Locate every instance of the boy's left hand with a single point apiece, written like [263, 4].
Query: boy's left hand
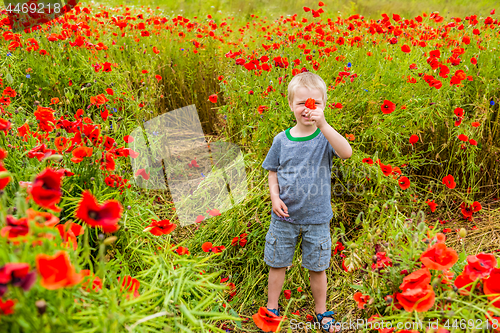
[317, 116]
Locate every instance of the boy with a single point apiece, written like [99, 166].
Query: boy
[299, 164]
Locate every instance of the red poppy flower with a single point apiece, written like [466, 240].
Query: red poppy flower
[338, 247]
[439, 257]
[15, 228]
[206, 246]
[475, 124]
[405, 48]
[213, 98]
[310, 104]
[181, 250]
[461, 281]
[128, 138]
[404, 182]
[413, 139]
[491, 286]
[18, 274]
[287, 293]
[432, 205]
[193, 164]
[361, 299]
[107, 161]
[262, 108]
[386, 169]
[163, 227]
[7, 307]
[142, 173]
[463, 137]
[417, 279]
[109, 91]
[243, 242]
[382, 261]
[96, 281]
[56, 271]
[69, 231]
[449, 181]
[213, 212]
[367, 160]
[418, 299]
[61, 143]
[130, 284]
[13, 270]
[476, 206]
[45, 116]
[106, 215]
[98, 99]
[5, 180]
[480, 265]
[266, 320]
[3, 154]
[46, 189]
[466, 210]
[80, 153]
[4, 125]
[199, 218]
[388, 107]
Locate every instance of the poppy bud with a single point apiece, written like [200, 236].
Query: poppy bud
[41, 306]
[101, 236]
[374, 259]
[110, 240]
[421, 226]
[462, 233]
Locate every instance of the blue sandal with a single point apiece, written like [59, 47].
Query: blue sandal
[275, 311]
[326, 327]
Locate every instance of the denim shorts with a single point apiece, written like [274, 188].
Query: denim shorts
[281, 240]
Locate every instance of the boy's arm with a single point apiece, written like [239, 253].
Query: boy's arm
[339, 143]
[279, 206]
[273, 185]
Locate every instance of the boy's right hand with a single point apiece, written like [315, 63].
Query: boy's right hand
[279, 208]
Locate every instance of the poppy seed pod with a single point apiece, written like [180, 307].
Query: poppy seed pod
[41, 306]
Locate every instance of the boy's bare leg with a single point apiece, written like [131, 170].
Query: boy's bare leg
[318, 289]
[275, 284]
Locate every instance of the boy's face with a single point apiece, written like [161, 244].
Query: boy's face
[298, 104]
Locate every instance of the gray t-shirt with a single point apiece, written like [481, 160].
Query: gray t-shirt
[304, 167]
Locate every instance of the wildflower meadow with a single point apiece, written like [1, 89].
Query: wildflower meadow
[107, 224]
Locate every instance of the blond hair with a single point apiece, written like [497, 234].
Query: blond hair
[308, 80]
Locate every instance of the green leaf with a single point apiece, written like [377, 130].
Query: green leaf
[237, 322]
[355, 286]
